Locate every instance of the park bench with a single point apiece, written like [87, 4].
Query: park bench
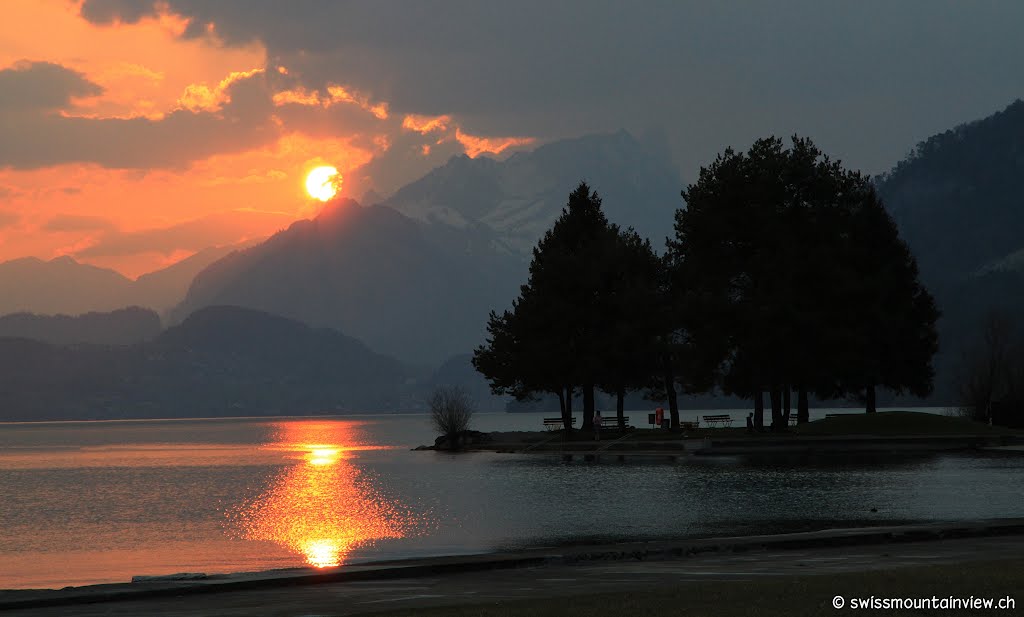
[689, 426]
[835, 415]
[613, 421]
[557, 423]
[793, 419]
[718, 420]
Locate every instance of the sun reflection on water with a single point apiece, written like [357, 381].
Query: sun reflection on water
[323, 506]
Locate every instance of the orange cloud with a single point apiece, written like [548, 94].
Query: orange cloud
[426, 124]
[158, 144]
[335, 95]
[297, 96]
[476, 146]
[143, 67]
[340, 94]
[200, 97]
[472, 144]
[268, 181]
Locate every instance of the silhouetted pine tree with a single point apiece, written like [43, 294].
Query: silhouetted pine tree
[797, 280]
[556, 332]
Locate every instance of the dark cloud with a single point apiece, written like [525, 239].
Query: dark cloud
[36, 138]
[110, 11]
[340, 119]
[402, 162]
[42, 86]
[866, 79]
[77, 222]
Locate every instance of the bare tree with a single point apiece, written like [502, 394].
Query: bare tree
[989, 371]
[450, 412]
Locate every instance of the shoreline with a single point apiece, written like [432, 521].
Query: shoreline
[563, 556]
[636, 443]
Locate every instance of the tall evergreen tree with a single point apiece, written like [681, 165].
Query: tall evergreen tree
[555, 333]
[891, 317]
[632, 326]
[802, 279]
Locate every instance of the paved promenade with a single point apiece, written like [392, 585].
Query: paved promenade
[630, 570]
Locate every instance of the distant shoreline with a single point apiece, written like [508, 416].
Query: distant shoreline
[883, 432]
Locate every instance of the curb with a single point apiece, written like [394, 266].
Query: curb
[654, 550]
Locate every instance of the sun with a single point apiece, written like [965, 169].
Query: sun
[322, 182]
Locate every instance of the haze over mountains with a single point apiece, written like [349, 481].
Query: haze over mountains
[63, 286]
[959, 203]
[414, 275]
[419, 291]
[221, 361]
[120, 327]
[522, 196]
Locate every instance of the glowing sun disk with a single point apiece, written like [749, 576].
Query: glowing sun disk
[322, 182]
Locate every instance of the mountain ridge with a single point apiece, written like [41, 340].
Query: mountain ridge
[221, 361]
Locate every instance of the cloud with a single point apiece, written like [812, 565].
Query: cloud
[200, 97]
[42, 86]
[77, 222]
[447, 130]
[476, 145]
[111, 11]
[714, 73]
[236, 116]
[426, 124]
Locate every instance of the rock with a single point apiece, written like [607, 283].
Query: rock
[465, 439]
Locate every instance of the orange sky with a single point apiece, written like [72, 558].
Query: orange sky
[169, 145]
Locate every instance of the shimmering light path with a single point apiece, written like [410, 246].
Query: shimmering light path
[323, 506]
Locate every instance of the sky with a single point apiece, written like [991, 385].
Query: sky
[136, 133]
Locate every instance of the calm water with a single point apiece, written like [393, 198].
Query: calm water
[92, 502]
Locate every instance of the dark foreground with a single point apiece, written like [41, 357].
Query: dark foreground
[737, 578]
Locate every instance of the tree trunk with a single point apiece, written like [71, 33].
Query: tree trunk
[786, 407]
[567, 418]
[776, 397]
[620, 407]
[670, 390]
[870, 396]
[588, 407]
[803, 410]
[759, 410]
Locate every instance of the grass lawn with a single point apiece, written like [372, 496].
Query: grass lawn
[881, 424]
[895, 423]
[794, 596]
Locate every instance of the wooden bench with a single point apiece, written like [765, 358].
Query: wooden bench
[613, 421]
[718, 420]
[557, 423]
[793, 419]
[689, 426]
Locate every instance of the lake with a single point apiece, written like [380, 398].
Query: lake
[92, 502]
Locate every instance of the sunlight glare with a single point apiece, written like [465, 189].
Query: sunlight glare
[323, 182]
[324, 505]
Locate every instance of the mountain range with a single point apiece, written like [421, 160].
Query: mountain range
[221, 361]
[519, 198]
[120, 327]
[958, 200]
[63, 286]
[418, 291]
[414, 274]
